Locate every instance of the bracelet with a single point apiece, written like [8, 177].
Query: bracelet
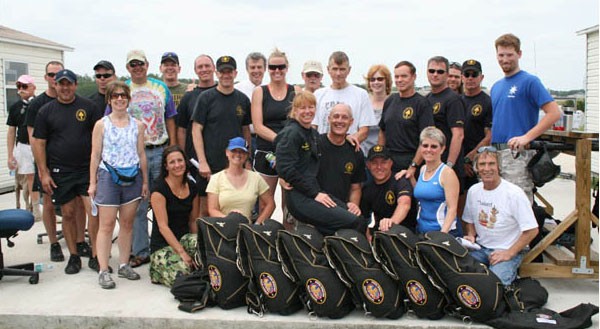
[450, 164]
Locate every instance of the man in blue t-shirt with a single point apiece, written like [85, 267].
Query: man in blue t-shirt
[516, 100]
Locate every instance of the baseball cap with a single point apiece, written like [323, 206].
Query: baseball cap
[170, 56]
[237, 143]
[136, 55]
[26, 79]
[312, 66]
[105, 64]
[472, 65]
[226, 62]
[66, 74]
[378, 151]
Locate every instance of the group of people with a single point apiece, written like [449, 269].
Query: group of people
[344, 157]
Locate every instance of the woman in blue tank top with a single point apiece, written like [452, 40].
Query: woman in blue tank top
[437, 187]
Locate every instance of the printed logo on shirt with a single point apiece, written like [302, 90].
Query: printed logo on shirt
[239, 111]
[348, 168]
[390, 198]
[512, 92]
[81, 115]
[436, 107]
[305, 146]
[408, 113]
[488, 220]
[476, 110]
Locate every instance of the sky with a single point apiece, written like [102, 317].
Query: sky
[370, 32]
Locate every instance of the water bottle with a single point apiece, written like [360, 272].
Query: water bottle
[579, 121]
[12, 173]
[270, 157]
[41, 267]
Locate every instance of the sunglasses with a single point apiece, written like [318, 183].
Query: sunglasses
[50, 74]
[377, 79]
[22, 86]
[136, 64]
[280, 67]
[455, 65]
[487, 149]
[471, 74]
[430, 146]
[432, 71]
[117, 95]
[105, 75]
[313, 75]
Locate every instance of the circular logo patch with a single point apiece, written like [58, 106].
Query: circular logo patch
[476, 110]
[268, 284]
[373, 291]
[390, 198]
[436, 107]
[468, 296]
[416, 292]
[216, 280]
[316, 290]
[80, 115]
[348, 167]
[407, 113]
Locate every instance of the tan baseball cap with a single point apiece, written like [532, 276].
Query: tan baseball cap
[312, 66]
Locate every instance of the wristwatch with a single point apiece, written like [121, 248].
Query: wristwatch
[414, 165]
[450, 164]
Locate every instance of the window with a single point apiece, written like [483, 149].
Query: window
[12, 71]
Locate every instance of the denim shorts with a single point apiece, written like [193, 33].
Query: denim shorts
[110, 194]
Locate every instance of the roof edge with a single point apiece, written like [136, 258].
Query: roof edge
[37, 44]
[588, 30]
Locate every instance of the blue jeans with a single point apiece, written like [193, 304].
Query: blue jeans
[505, 271]
[141, 239]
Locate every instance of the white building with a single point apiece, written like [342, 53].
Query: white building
[592, 109]
[21, 53]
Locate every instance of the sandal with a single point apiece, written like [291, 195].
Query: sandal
[138, 261]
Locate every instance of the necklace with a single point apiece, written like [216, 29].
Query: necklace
[180, 190]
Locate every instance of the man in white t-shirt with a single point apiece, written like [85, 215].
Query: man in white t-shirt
[256, 64]
[341, 91]
[498, 217]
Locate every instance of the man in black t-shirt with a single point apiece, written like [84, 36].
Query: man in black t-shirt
[404, 116]
[62, 148]
[390, 200]
[448, 113]
[220, 114]
[104, 73]
[341, 166]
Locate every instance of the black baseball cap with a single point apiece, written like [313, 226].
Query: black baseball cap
[471, 65]
[105, 64]
[378, 151]
[170, 56]
[226, 62]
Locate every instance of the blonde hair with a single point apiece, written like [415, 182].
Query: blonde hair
[302, 98]
[279, 54]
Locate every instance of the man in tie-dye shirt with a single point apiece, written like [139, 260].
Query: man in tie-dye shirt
[152, 103]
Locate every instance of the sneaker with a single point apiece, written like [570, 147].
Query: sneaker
[94, 265]
[56, 254]
[105, 281]
[74, 265]
[83, 249]
[128, 273]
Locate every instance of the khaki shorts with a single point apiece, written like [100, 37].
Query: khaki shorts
[24, 157]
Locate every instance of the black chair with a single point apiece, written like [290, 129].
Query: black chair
[11, 222]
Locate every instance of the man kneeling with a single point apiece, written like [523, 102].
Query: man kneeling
[499, 214]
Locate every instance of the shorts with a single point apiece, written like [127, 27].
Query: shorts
[110, 194]
[166, 264]
[24, 157]
[261, 164]
[69, 186]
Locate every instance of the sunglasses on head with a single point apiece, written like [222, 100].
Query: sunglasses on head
[487, 149]
[117, 95]
[430, 146]
[22, 86]
[51, 74]
[471, 74]
[373, 79]
[280, 67]
[136, 63]
[104, 75]
[432, 71]
[313, 74]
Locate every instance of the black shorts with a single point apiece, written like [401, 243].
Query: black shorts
[69, 185]
[261, 165]
[201, 183]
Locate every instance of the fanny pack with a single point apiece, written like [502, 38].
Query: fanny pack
[124, 176]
